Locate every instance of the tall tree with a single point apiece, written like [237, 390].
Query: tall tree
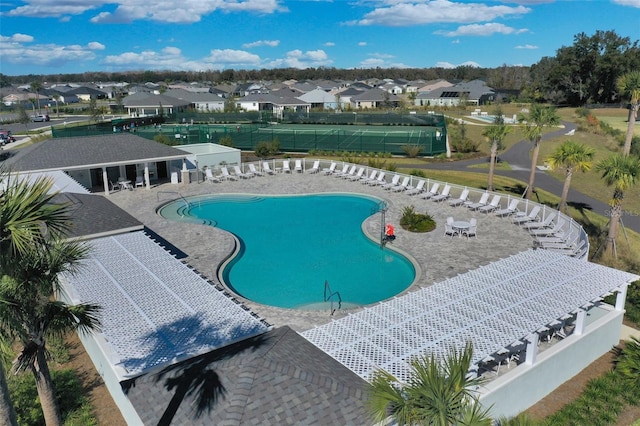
[621, 172]
[572, 157]
[438, 393]
[629, 87]
[36, 87]
[495, 133]
[28, 218]
[534, 123]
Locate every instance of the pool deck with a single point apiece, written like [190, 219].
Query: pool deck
[436, 257]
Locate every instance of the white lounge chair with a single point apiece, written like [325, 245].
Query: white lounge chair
[114, 186]
[418, 189]
[344, 171]
[239, 173]
[298, 166]
[253, 170]
[402, 186]
[493, 205]
[286, 166]
[140, 181]
[545, 232]
[394, 182]
[315, 168]
[330, 170]
[358, 175]
[226, 175]
[444, 195]
[512, 208]
[372, 176]
[484, 199]
[210, 177]
[351, 172]
[432, 192]
[379, 180]
[533, 215]
[266, 168]
[464, 195]
[545, 223]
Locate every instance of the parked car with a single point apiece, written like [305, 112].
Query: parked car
[6, 137]
[41, 117]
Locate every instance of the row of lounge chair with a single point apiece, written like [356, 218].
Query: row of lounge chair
[253, 171]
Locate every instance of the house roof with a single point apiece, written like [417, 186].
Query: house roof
[277, 378]
[90, 152]
[375, 95]
[142, 99]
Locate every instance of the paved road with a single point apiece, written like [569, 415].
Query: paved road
[519, 160]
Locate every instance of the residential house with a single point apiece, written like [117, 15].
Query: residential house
[373, 99]
[142, 104]
[319, 99]
[199, 101]
[474, 92]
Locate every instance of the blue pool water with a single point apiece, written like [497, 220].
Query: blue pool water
[291, 245]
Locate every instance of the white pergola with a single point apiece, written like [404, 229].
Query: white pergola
[492, 307]
[156, 310]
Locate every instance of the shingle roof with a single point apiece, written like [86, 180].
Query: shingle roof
[277, 378]
[90, 152]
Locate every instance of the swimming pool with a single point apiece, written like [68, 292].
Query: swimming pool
[291, 245]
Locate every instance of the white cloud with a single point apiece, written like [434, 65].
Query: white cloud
[632, 3]
[230, 57]
[299, 59]
[381, 60]
[94, 45]
[401, 13]
[482, 30]
[185, 11]
[443, 64]
[329, 44]
[362, 43]
[526, 46]
[270, 43]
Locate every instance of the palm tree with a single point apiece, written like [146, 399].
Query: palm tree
[538, 118]
[31, 315]
[36, 87]
[495, 133]
[572, 157]
[621, 172]
[439, 392]
[27, 219]
[629, 87]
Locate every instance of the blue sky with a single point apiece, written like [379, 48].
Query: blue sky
[71, 36]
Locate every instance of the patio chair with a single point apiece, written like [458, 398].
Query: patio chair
[484, 199]
[239, 173]
[298, 166]
[331, 169]
[402, 186]
[471, 231]
[372, 176]
[316, 167]
[394, 182]
[253, 170]
[418, 189]
[114, 186]
[430, 193]
[351, 172]
[267, 169]
[545, 232]
[533, 215]
[345, 170]
[210, 177]
[546, 223]
[358, 175]
[379, 180]
[444, 195]
[286, 166]
[226, 175]
[493, 205]
[461, 199]
[448, 228]
[139, 181]
[512, 208]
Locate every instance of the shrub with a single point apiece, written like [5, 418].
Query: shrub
[226, 141]
[266, 149]
[163, 139]
[416, 222]
[412, 151]
[418, 173]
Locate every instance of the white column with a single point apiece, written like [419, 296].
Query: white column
[147, 182]
[621, 297]
[580, 322]
[532, 349]
[105, 180]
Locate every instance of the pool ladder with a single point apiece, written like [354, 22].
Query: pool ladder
[329, 297]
